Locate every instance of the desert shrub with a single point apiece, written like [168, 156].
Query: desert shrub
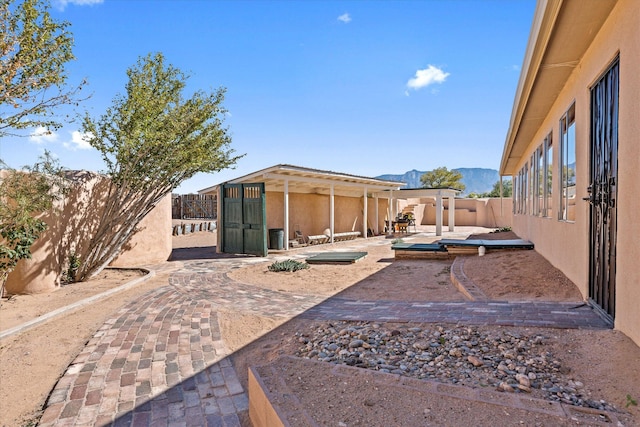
[502, 229]
[68, 276]
[288, 265]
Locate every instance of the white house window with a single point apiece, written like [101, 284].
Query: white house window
[547, 176]
[514, 199]
[532, 185]
[525, 186]
[567, 166]
[538, 180]
[518, 192]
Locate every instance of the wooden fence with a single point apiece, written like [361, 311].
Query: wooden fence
[194, 206]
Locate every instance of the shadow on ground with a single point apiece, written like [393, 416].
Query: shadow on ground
[202, 252]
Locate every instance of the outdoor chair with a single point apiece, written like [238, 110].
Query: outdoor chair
[299, 238]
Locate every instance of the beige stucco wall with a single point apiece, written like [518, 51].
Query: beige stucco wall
[489, 212]
[153, 243]
[70, 230]
[310, 213]
[566, 245]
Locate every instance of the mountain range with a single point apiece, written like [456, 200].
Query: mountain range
[476, 180]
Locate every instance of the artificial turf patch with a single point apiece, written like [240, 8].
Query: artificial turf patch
[336, 258]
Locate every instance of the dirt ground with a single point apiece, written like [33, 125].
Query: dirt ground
[607, 362]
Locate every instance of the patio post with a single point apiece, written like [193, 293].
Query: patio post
[439, 214]
[286, 214]
[377, 228]
[390, 213]
[452, 212]
[331, 213]
[365, 215]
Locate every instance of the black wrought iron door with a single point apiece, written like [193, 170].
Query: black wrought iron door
[603, 191]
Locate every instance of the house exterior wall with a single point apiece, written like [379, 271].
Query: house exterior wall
[70, 229]
[566, 244]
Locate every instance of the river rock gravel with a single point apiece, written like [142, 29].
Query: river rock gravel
[505, 359]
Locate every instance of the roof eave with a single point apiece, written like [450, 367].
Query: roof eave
[545, 15]
[561, 33]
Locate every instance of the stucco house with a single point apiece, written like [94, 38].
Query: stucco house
[573, 150]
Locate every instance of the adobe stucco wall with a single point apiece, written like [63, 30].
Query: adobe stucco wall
[153, 243]
[490, 212]
[70, 230]
[564, 244]
[310, 213]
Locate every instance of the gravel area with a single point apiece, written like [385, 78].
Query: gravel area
[507, 361]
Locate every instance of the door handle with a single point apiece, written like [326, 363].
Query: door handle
[591, 197]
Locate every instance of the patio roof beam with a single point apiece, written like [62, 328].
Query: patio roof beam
[340, 183]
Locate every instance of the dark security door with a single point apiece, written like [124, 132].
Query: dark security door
[603, 191]
[244, 219]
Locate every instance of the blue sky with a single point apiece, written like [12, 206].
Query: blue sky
[361, 87]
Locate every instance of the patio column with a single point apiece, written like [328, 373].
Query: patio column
[286, 214]
[331, 213]
[439, 214]
[501, 197]
[377, 227]
[452, 212]
[390, 213]
[365, 215]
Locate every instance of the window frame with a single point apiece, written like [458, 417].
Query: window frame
[567, 127]
[547, 175]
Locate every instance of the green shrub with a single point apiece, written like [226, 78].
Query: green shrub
[288, 265]
[69, 275]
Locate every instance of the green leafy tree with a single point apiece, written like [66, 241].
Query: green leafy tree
[34, 50]
[507, 189]
[442, 178]
[24, 195]
[151, 139]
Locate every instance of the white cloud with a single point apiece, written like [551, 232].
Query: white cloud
[62, 4]
[426, 77]
[79, 141]
[344, 18]
[43, 136]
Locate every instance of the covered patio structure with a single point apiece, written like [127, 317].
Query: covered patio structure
[317, 202]
[438, 194]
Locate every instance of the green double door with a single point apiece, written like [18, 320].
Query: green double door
[244, 225]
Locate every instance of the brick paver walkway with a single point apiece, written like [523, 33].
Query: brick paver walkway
[160, 360]
[541, 314]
